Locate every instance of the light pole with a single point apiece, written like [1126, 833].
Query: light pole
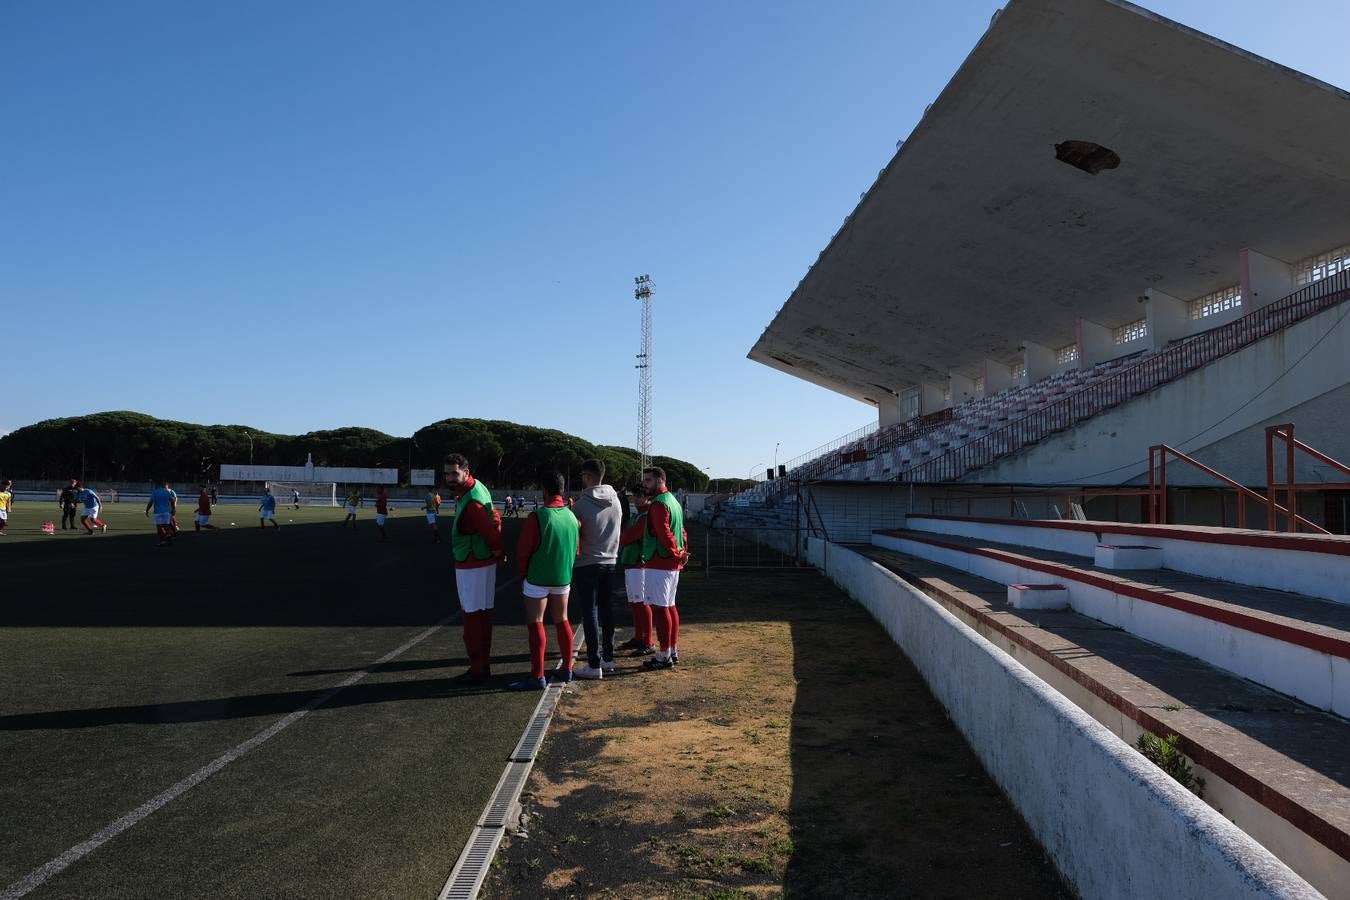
[250, 447]
[775, 455]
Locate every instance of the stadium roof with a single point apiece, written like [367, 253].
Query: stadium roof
[976, 238]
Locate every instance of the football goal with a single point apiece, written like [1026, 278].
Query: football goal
[312, 493]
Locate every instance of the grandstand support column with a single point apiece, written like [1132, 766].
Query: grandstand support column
[1168, 318]
[1263, 279]
[888, 409]
[962, 388]
[997, 377]
[931, 398]
[1095, 343]
[1040, 361]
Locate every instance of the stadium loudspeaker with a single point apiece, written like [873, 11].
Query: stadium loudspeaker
[782, 470]
[769, 474]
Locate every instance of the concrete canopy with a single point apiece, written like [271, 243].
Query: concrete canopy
[975, 237]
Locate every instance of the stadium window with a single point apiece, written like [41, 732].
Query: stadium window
[947, 394]
[1315, 268]
[979, 385]
[1066, 354]
[1217, 302]
[1131, 332]
[1019, 371]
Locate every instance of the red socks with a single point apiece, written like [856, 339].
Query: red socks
[538, 643]
[478, 640]
[674, 626]
[661, 617]
[565, 645]
[642, 623]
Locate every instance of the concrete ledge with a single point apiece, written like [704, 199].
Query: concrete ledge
[1114, 824]
[1038, 596]
[1121, 556]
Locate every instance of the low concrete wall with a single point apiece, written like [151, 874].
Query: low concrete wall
[1112, 822]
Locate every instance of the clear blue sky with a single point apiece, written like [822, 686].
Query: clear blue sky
[285, 213]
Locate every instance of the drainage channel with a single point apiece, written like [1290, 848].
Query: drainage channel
[466, 878]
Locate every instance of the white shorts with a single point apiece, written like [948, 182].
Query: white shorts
[163, 518]
[633, 584]
[267, 514]
[659, 586]
[91, 512]
[203, 520]
[431, 518]
[4, 515]
[540, 592]
[379, 518]
[351, 510]
[477, 587]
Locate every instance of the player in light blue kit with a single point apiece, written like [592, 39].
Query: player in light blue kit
[267, 509]
[164, 502]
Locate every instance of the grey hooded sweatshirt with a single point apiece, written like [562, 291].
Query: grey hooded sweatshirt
[599, 511]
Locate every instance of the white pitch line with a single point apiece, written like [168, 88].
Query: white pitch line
[45, 871]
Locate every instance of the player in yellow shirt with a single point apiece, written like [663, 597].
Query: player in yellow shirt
[6, 503]
[431, 503]
[353, 501]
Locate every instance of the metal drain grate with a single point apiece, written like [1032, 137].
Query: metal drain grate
[467, 876]
[498, 810]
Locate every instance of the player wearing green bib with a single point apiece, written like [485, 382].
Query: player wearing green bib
[549, 542]
[663, 556]
[630, 557]
[476, 541]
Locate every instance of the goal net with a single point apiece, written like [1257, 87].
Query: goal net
[312, 493]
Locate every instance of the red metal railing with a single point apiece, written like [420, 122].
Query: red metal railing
[1290, 485]
[1157, 491]
[1131, 381]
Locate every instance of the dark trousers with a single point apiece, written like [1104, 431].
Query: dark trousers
[593, 589]
[68, 515]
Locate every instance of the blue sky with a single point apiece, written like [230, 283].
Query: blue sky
[288, 214]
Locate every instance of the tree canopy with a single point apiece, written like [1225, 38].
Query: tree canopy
[131, 446]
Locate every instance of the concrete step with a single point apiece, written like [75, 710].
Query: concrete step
[1275, 766]
[1294, 644]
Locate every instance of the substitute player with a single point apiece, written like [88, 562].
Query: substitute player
[476, 542]
[92, 503]
[547, 550]
[382, 510]
[663, 556]
[630, 555]
[431, 503]
[353, 501]
[6, 503]
[164, 502]
[203, 517]
[267, 509]
[295, 498]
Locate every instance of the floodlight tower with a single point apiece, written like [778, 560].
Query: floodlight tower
[643, 291]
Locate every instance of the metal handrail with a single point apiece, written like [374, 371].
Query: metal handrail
[1157, 485]
[1290, 485]
[1132, 380]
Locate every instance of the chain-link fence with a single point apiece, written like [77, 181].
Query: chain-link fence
[747, 547]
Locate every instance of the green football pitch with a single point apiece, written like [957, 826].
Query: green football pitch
[136, 681]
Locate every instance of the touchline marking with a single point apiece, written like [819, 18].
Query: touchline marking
[45, 871]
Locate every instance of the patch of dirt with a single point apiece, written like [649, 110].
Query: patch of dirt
[794, 752]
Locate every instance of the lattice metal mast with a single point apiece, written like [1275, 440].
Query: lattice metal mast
[643, 292]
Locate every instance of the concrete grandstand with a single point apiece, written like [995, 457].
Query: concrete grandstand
[1090, 299]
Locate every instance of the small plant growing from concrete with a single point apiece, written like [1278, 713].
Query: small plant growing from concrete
[1166, 755]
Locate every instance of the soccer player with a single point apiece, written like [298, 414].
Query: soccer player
[432, 504]
[267, 509]
[476, 543]
[164, 502]
[203, 519]
[295, 498]
[353, 501]
[663, 555]
[633, 580]
[381, 510]
[545, 555]
[6, 502]
[92, 503]
[68, 503]
[601, 517]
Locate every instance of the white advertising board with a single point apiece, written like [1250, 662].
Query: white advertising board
[423, 476]
[340, 474]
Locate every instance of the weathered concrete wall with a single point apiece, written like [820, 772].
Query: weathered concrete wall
[1112, 822]
[1273, 381]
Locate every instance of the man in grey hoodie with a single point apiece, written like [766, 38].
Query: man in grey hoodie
[600, 513]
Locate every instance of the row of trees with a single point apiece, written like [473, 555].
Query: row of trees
[129, 446]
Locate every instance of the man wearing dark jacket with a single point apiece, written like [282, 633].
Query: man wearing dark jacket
[68, 505]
